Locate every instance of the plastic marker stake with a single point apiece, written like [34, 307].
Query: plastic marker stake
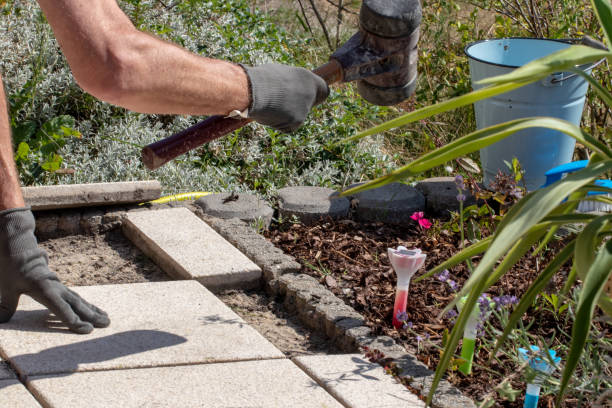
[470, 332]
[405, 263]
[542, 366]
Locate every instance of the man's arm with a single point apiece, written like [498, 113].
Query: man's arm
[10, 192]
[119, 64]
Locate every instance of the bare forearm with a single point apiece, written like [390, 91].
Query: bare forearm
[121, 65]
[163, 78]
[10, 191]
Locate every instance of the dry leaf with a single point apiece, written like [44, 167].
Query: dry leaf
[468, 165]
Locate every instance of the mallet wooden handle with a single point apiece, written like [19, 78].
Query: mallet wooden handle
[161, 152]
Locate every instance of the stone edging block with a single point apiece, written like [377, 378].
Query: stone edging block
[441, 195]
[319, 309]
[87, 195]
[247, 207]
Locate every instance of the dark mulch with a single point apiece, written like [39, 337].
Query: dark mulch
[351, 260]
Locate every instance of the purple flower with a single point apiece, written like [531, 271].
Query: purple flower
[402, 316]
[419, 338]
[451, 314]
[459, 182]
[453, 285]
[408, 325]
[505, 301]
[443, 276]
[461, 197]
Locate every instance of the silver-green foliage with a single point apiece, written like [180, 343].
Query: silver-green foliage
[535, 218]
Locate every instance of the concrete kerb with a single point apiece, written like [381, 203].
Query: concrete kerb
[392, 203]
[90, 195]
[320, 309]
[247, 207]
[441, 195]
[310, 204]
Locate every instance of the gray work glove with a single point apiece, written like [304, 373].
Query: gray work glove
[282, 96]
[24, 270]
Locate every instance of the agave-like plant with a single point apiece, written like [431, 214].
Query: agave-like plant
[538, 215]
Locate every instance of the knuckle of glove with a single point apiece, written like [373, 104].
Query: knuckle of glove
[283, 95]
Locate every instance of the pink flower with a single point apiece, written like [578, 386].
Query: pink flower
[419, 216]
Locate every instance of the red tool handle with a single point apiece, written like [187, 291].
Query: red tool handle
[161, 152]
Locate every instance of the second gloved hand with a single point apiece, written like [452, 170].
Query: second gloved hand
[282, 96]
[24, 270]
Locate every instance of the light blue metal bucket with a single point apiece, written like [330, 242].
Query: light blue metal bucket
[561, 95]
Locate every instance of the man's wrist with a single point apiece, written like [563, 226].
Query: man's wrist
[244, 99]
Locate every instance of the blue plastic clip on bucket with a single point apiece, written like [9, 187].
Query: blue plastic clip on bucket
[560, 95]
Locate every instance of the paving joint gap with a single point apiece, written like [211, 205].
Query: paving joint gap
[95, 370]
[321, 384]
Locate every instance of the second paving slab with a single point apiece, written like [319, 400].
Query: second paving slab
[152, 324]
[185, 247]
[356, 382]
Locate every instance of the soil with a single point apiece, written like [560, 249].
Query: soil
[110, 258]
[281, 328]
[100, 259]
[350, 258]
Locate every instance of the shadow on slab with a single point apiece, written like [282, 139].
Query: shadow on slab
[66, 359]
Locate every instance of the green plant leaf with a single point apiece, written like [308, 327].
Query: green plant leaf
[24, 131]
[53, 163]
[473, 250]
[603, 9]
[592, 288]
[563, 60]
[528, 212]
[586, 242]
[432, 110]
[597, 87]
[476, 141]
[22, 151]
[518, 249]
[529, 297]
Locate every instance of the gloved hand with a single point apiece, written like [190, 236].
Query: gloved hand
[24, 270]
[282, 96]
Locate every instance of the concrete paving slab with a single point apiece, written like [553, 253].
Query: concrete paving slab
[246, 207]
[95, 194]
[356, 382]
[5, 372]
[254, 384]
[14, 394]
[186, 247]
[152, 324]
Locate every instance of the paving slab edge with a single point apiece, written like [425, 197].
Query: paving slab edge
[319, 309]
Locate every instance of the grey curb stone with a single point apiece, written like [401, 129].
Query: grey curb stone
[310, 204]
[88, 221]
[246, 207]
[86, 195]
[46, 223]
[441, 195]
[69, 222]
[5, 372]
[392, 203]
[272, 261]
[91, 221]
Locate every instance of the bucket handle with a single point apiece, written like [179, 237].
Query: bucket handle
[586, 40]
